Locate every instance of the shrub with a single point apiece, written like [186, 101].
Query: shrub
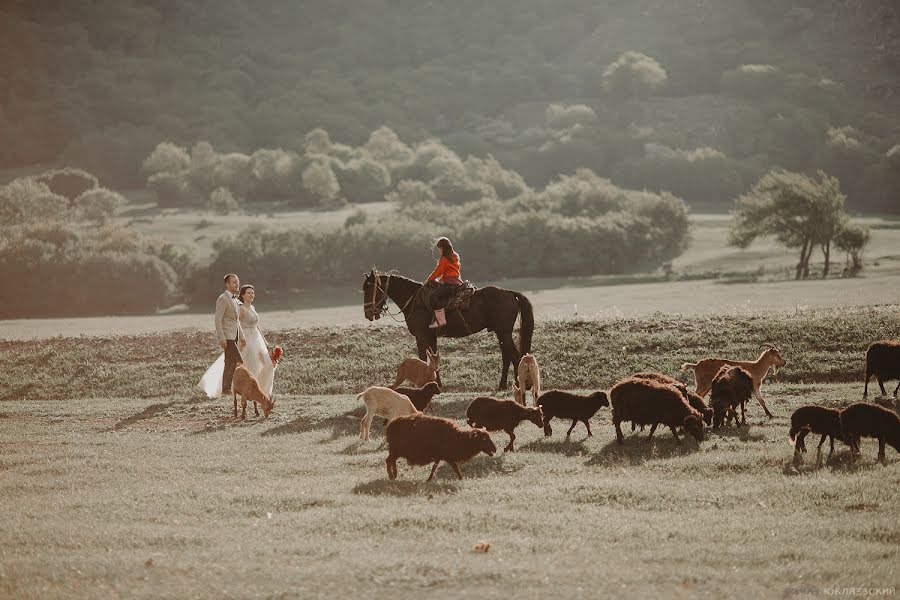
[98, 205]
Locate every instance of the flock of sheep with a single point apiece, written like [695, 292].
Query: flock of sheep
[643, 399]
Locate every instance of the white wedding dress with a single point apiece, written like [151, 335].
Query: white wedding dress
[255, 357]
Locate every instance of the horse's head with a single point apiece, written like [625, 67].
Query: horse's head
[374, 295]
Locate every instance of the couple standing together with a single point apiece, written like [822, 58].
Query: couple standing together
[237, 327]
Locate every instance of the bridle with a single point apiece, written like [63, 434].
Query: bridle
[380, 305]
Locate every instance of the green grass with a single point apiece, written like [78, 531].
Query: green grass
[121, 481]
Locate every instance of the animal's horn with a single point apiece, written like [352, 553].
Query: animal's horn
[765, 346]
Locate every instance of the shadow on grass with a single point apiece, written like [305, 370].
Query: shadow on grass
[741, 432]
[340, 425]
[231, 422]
[151, 412]
[637, 449]
[840, 462]
[562, 446]
[386, 487]
[477, 468]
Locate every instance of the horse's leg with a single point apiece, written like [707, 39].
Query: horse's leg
[504, 363]
[510, 356]
[422, 344]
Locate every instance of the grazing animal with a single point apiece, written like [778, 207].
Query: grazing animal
[418, 371]
[863, 419]
[883, 361]
[566, 405]
[245, 385]
[502, 415]
[423, 439]
[529, 378]
[649, 402]
[815, 419]
[420, 396]
[706, 369]
[383, 402]
[693, 399]
[731, 387]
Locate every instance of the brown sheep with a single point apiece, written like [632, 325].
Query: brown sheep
[245, 385]
[814, 419]
[706, 369]
[651, 403]
[883, 361]
[423, 439]
[863, 419]
[693, 398]
[494, 414]
[731, 387]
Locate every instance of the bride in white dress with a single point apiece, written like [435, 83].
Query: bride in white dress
[254, 355]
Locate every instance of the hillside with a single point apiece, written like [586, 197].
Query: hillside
[720, 92]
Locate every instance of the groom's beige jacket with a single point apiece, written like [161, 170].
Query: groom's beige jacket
[226, 318]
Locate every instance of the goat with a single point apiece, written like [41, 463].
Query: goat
[383, 402]
[420, 396]
[731, 387]
[815, 419]
[501, 415]
[649, 402]
[693, 399]
[863, 419]
[883, 361]
[705, 370]
[566, 405]
[245, 385]
[423, 439]
[528, 378]
[418, 371]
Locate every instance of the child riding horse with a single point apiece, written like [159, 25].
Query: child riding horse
[447, 270]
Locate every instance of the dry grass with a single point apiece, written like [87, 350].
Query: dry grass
[115, 489]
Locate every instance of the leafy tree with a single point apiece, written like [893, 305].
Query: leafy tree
[633, 74]
[796, 210]
[853, 239]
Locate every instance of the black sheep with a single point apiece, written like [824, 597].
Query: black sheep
[423, 439]
[731, 387]
[647, 402]
[815, 419]
[501, 415]
[864, 419]
[420, 397]
[567, 405]
[883, 361]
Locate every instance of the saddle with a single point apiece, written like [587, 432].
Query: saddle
[458, 301]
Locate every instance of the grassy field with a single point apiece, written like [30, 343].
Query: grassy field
[120, 481]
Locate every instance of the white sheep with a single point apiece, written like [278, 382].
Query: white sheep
[383, 402]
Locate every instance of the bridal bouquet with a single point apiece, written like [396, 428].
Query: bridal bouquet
[277, 353]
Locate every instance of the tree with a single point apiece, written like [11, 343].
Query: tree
[633, 73]
[852, 239]
[796, 210]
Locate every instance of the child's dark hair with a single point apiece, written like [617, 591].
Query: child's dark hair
[445, 246]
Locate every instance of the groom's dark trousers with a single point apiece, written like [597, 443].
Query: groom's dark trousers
[232, 358]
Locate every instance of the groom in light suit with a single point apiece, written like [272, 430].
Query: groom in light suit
[228, 328]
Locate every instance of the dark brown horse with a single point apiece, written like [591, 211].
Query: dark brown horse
[491, 308]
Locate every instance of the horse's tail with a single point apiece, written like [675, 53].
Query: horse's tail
[526, 328]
